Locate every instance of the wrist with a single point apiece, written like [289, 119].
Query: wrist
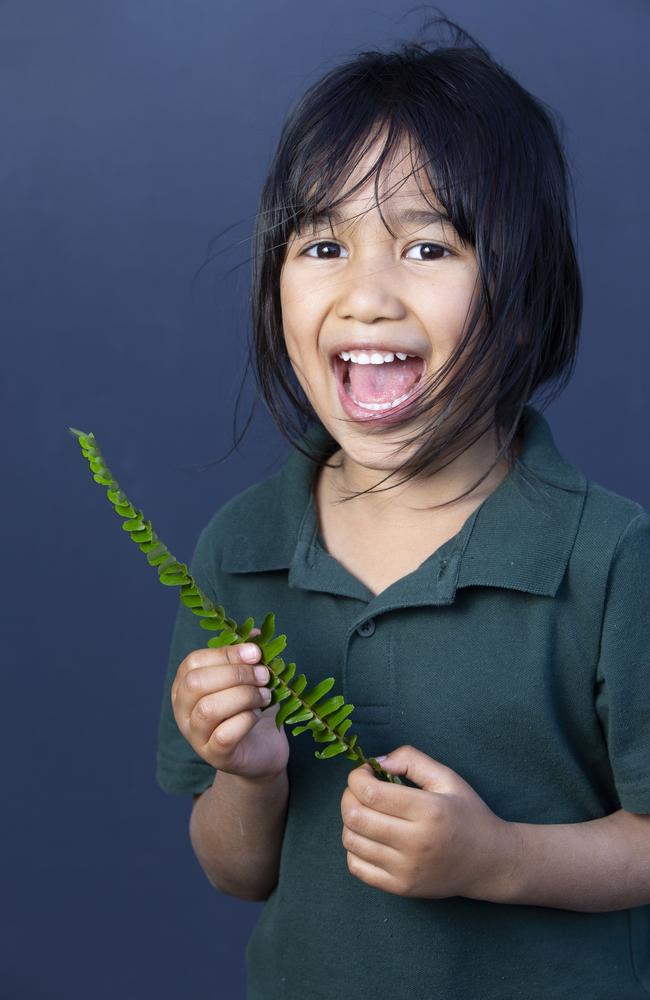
[262, 781]
[504, 863]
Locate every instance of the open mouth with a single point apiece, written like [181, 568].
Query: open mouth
[372, 391]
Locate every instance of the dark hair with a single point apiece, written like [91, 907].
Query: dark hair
[492, 154]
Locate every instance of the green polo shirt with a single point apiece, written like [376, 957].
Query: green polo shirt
[518, 654]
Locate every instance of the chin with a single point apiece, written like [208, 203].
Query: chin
[375, 453]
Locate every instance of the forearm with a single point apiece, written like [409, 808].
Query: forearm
[599, 865]
[236, 831]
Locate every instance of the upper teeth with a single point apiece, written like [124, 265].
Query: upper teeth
[372, 358]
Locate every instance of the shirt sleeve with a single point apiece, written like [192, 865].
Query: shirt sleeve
[623, 673]
[179, 769]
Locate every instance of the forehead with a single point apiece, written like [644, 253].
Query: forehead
[400, 184]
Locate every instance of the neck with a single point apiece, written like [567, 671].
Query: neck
[407, 505]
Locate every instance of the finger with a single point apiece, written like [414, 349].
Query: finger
[213, 657]
[388, 831]
[374, 852]
[384, 796]
[219, 656]
[215, 680]
[213, 710]
[373, 875]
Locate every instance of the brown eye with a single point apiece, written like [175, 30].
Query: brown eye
[319, 246]
[435, 251]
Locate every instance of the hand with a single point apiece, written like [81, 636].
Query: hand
[435, 841]
[218, 707]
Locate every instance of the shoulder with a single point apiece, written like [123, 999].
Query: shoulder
[611, 526]
[255, 530]
[608, 516]
[244, 512]
[247, 507]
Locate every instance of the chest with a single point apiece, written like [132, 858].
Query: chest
[377, 556]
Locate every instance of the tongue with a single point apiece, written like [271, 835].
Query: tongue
[384, 383]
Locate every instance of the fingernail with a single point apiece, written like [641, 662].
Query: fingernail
[249, 652]
[261, 673]
[379, 759]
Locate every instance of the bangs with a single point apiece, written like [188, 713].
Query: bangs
[331, 150]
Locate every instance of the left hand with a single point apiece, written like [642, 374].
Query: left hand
[435, 841]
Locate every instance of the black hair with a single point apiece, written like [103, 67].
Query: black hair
[494, 158]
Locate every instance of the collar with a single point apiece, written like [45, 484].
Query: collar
[520, 537]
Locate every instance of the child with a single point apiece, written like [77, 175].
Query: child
[415, 283]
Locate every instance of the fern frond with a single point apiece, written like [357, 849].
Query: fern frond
[327, 719]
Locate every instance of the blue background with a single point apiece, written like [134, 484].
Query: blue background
[133, 133]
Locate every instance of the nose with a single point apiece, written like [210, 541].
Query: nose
[369, 291]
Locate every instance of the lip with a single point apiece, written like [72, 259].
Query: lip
[370, 416]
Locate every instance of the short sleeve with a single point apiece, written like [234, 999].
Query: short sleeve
[623, 673]
[179, 769]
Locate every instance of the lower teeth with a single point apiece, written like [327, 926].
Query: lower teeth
[381, 406]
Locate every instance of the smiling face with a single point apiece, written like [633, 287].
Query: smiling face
[362, 287]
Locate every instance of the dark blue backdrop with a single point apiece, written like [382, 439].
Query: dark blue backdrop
[133, 131]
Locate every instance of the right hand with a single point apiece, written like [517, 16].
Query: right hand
[217, 705]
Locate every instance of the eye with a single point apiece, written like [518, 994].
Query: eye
[317, 246]
[436, 250]
[435, 247]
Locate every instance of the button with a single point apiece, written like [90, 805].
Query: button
[366, 629]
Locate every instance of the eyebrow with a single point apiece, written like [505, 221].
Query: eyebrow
[416, 216]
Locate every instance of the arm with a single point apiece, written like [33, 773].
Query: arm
[236, 831]
[596, 866]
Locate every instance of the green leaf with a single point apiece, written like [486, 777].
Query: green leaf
[211, 624]
[268, 627]
[280, 692]
[324, 736]
[327, 707]
[245, 628]
[103, 480]
[173, 579]
[133, 524]
[124, 509]
[285, 673]
[299, 684]
[141, 536]
[211, 612]
[286, 710]
[191, 601]
[157, 555]
[117, 496]
[299, 729]
[334, 720]
[315, 725]
[226, 638]
[169, 563]
[150, 546]
[331, 751]
[271, 649]
[343, 728]
[304, 713]
[317, 692]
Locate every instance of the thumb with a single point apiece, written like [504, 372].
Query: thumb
[422, 770]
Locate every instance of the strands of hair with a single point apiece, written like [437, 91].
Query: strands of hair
[493, 156]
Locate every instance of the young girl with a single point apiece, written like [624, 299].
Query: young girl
[486, 612]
